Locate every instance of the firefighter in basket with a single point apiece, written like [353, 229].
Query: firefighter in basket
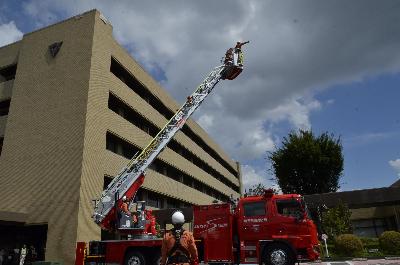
[124, 208]
[178, 246]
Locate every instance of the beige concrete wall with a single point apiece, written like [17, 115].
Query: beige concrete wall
[95, 131]
[41, 162]
[239, 170]
[373, 212]
[9, 54]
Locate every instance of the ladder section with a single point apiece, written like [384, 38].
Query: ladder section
[139, 163]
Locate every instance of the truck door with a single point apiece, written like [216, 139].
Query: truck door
[288, 218]
[254, 220]
[252, 226]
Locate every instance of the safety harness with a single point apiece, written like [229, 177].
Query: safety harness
[178, 254]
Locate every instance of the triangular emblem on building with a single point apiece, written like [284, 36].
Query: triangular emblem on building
[55, 48]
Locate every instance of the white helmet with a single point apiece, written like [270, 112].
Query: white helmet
[124, 198]
[178, 218]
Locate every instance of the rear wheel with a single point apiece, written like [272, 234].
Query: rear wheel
[279, 254]
[134, 258]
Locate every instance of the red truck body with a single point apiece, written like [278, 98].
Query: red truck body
[259, 229]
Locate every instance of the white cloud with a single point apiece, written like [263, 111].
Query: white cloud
[330, 101]
[295, 112]
[9, 33]
[395, 164]
[206, 121]
[296, 48]
[252, 176]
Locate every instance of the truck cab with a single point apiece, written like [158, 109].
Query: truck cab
[275, 229]
[271, 229]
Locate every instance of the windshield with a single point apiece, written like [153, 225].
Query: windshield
[290, 207]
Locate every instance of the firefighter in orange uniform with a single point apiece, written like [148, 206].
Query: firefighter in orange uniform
[124, 206]
[125, 209]
[178, 246]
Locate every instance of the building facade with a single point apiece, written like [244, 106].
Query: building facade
[373, 211]
[74, 107]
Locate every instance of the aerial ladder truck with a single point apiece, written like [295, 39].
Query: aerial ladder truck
[211, 222]
[131, 177]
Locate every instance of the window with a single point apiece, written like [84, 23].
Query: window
[172, 203]
[373, 227]
[139, 195]
[4, 107]
[155, 200]
[290, 207]
[1, 144]
[8, 73]
[254, 208]
[107, 181]
[119, 146]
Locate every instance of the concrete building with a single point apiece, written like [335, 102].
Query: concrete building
[74, 106]
[373, 211]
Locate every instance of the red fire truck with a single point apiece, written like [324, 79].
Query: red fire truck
[270, 229]
[274, 229]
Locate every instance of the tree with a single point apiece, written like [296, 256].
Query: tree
[306, 164]
[258, 190]
[336, 221]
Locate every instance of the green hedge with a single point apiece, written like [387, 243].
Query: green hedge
[370, 241]
[390, 242]
[348, 245]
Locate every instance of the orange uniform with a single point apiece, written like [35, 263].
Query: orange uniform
[187, 248]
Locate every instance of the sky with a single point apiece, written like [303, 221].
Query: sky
[329, 66]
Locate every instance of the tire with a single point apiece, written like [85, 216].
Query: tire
[156, 259]
[134, 258]
[278, 254]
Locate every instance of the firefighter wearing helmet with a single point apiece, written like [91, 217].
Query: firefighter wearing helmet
[124, 206]
[178, 246]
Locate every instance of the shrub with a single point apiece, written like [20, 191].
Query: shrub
[390, 242]
[336, 221]
[370, 242]
[348, 245]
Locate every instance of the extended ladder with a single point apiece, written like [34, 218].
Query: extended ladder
[136, 167]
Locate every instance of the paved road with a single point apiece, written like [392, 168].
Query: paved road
[364, 262]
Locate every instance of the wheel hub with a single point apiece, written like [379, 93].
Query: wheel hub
[278, 257]
[134, 261]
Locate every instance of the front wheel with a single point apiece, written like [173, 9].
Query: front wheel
[156, 259]
[279, 254]
[134, 258]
